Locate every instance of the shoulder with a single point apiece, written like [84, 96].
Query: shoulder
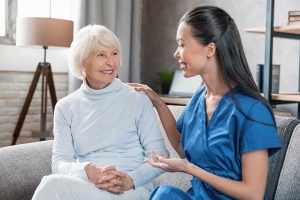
[247, 102]
[196, 96]
[137, 97]
[68, 101]
[254, 108]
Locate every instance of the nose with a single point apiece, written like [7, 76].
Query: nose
[176, 54]
[109, 60]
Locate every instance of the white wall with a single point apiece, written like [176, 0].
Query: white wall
[26, 59]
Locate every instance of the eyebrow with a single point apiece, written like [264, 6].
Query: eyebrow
[104, 51]
[97, 52]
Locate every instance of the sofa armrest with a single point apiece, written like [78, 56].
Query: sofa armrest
[22, 168]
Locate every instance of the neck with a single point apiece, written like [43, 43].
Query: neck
[96, 86]
[214, 81]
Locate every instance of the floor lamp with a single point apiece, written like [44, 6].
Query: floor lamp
[45, 32]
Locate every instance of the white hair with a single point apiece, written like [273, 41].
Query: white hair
[86, 41]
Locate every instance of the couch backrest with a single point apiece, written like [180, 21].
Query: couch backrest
[22, 168]
[289, 181]
[285, 127]
[178, 179]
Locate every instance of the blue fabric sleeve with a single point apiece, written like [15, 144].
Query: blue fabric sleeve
[257, 135]
[179, 122]
[151, 139]
[63, 153]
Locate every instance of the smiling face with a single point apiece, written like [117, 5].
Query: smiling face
[192, 56]
[101, 67]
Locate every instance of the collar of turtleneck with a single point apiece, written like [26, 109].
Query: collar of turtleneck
[93, 94]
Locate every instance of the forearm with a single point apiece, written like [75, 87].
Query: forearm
[235, 189]
[144, 174]
[70, 168]
[169, 124]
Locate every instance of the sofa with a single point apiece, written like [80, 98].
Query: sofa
[23, 166]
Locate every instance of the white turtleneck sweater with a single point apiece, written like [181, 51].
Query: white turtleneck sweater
[112, 126]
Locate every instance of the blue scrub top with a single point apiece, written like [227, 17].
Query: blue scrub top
[217, 145]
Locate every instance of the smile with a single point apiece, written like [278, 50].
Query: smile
[108, 72]
[182, 64]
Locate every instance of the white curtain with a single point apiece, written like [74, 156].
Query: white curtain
[123, 17]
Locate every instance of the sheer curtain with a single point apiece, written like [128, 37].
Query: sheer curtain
[124, 19]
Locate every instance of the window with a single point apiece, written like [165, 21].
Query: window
[28, 8]
[50, 8]
[2, 18]
[8, 13]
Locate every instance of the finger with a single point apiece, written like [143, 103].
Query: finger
[117, 173]
[154, 156]
[106, 178]
[140, 89]
[160, 153]
[121, 174]
[108, 168]
[161, 166]
[159, 157]
[117, 182]
[165, 160]
[159, 161]
[116, 190]
[105, 185]
[135, 85]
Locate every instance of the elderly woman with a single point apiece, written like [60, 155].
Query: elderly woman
[103, 131]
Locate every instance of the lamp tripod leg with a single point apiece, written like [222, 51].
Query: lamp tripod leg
[27, 104]
[43, 125]
[51, 87]
[47, 81]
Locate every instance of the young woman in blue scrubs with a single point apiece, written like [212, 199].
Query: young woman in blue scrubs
[227, 131]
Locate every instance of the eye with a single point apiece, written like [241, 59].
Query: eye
[100, 55]
[115, 53]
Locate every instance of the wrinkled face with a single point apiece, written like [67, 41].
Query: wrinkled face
[192, 56]
[101, 67]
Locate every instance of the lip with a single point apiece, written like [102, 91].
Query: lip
[182, 64]
[182, 67]
[107, 71]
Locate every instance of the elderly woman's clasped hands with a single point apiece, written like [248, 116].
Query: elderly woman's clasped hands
[108, 178]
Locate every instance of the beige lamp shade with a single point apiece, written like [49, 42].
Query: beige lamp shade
[44, 32]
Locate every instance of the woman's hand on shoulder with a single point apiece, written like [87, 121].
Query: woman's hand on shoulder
[155, 98]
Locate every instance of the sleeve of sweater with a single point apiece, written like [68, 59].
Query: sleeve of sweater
[151, 139]
[64, 159]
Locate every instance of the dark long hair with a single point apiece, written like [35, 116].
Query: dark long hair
[212, 24]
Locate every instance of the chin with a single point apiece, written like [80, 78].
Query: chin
[188, 75]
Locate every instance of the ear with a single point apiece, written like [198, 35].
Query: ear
[85, 64]
[211, 49]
